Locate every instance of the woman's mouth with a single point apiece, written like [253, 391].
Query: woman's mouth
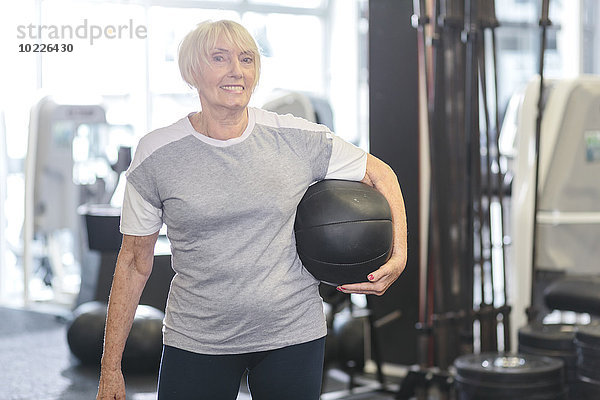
[233, 88]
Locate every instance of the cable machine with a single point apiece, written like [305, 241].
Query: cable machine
[462, 301]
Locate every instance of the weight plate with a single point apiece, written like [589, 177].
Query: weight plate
[567, 356]
[552, 336]
[590, 365]
[583, 390]
[589, 380]
[514, 369]
[589, 334]
[586, 351]
[474, 392]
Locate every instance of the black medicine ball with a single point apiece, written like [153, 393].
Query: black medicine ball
[343, 231]
[143, 348]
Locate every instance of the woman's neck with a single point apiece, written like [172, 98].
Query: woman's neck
[220, 126]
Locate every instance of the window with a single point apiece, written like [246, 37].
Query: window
[293, 62]
[518, 44]
[292, 3]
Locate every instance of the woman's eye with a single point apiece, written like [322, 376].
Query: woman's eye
[247, 60]
[218, 58]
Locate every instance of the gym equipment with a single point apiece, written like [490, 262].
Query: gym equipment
[349, 333]
[587, 342]
[588, 390]
[544, 23]
[70, 151]
[557, 337]
[568, 213]
[352, 335]
[579, 294]
[143, 347]
[300, 104]
[51, 192]
[343, 231]
[102, 226]
[463, 279]
[489, 376]
[86, 332]
[553, 340]
[575, 293]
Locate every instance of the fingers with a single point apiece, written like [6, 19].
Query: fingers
[363, 288]
[377, 281]
[377, 285]
[376, 276]
[111, 386]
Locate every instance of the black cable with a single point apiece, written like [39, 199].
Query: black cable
[544, 23]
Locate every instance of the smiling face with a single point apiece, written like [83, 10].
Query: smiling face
[228, 79]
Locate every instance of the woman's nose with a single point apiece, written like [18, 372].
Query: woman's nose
[236, 68]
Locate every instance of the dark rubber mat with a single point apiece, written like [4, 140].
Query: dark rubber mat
[36, 362]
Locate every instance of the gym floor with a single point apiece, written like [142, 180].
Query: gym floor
[36, 364]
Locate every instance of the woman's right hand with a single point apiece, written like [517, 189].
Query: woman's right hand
[134, 265]
[112, 385]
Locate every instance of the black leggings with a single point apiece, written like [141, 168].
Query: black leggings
[290, 373]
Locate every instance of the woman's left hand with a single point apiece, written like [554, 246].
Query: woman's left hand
[380, 176]
[378, 281]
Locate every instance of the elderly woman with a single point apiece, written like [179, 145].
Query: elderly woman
[226, 181]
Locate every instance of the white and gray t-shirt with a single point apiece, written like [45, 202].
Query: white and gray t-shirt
[229, 207]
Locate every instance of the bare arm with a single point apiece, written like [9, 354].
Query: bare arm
[382, 177]
[134, 265]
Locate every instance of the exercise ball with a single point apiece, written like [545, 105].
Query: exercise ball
[343, 231]
[143, 348]
[349, 333]
[85, 336]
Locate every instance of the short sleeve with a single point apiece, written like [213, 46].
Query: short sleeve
[139, 217]
[347, 162]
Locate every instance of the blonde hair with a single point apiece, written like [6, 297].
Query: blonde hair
[195, 46]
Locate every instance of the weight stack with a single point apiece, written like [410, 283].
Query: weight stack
[557, 341]
[494, 376]
[587, 344]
